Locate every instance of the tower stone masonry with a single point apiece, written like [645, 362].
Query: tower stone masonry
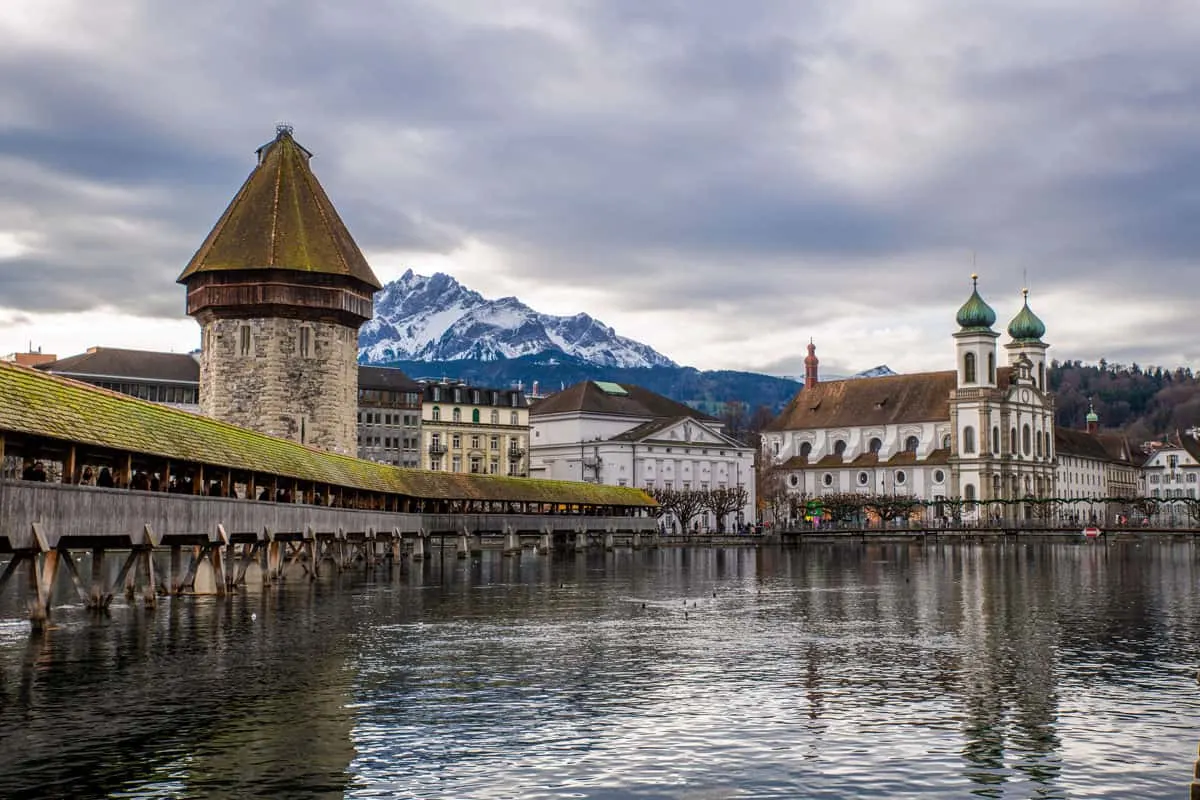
[280, 290]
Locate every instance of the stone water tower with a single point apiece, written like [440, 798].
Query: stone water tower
[280, 289]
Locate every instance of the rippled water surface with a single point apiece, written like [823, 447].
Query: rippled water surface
[839, 671]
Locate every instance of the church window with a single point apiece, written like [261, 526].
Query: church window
[1042, 377]
[839, 447]
[1039, 444]
[968, 440]
[969, 494]
[436, 414]
[1026, 439]
[991, 367]
[475, 415]
[996, 487]
[969, 368]
[495, 417]
[862, 479]
[1012, 441]
[876, 445]
[244, 339]
[827, 479]
[805, 449]
[946, 442]
[911, 444]
[995, 440]
[794, 480]
[900, 477]
[457, 415]
[775, 447]
[939, 476]
[305, 341]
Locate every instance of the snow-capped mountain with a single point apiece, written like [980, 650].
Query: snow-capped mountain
[881, 371]
[419, 318]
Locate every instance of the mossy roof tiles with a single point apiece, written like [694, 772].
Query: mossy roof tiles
[281, 218]
[36, 404]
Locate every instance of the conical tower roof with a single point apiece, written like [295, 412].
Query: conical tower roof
[281, 218]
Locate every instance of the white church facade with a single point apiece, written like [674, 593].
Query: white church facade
[978, 432]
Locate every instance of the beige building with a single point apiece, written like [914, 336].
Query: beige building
[474, 429]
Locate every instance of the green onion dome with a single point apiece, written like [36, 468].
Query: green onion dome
[1092, 416]
[1025, 325]
[975, 313]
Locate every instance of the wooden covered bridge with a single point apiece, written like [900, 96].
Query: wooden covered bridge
[88, 471]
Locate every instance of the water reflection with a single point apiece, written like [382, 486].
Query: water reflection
[1000, 670]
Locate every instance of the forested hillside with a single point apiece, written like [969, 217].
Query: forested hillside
[1146, 403]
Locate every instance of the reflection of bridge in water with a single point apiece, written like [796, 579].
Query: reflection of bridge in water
[224, 501]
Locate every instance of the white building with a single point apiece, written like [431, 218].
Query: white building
[1174, 471]
[1095, 465]
[978, 432]
[624, 435]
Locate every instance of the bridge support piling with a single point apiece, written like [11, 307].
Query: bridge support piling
[418, 547]
[636, 541]
[38, 616]
[581, 542]
[610, 542]
[97, 597]
[175, 585]
[544, 544]
[462, 548]
[476, 545]
[512, 543]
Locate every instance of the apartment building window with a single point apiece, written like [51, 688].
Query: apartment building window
[495, 417]
[474, 442]
[514, 418]
[476, 464]
[475, 416]
[435, 440]
[456, 441]
[244, 339]
[495, 442]
[457, 416]
[456, 464]
[437, 414]
[435, 464]
[494, 467]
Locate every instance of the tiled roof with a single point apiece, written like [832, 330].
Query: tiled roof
[281, 218]
[1079, 444]
[387, 379]
[587, 397]
[115, 362]
[886, 400]
[40, 405]
[939, 457]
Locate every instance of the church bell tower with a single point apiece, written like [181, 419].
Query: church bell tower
[280, 290]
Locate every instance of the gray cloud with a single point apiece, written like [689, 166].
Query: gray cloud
[781, 168]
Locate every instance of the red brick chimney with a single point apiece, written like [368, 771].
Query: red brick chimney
[810, 365]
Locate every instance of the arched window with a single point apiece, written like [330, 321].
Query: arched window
[1039, 444]
[876, 445]
[437, 413]
[1042, 377]
[475, 415]
[457, 415]
[946, 442]
[969, 368]
[1012, 441]
[911, 444]
[968, 439]
[839, 447]
[495, 417]
[996, 487]
[1049, 450]
[1026, 439]
[806, 449]
[969, 493]
[995, 440]
[991, 367]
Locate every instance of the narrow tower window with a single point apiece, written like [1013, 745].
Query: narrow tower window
[305, 341]
[244, 339]
[991, 367]
[969, 368]
[968, 439]
[996, 440]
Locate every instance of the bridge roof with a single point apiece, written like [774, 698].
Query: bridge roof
[40, 405]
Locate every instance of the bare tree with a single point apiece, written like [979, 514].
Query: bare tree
[890, 507]
[723, 502]
[688, 503]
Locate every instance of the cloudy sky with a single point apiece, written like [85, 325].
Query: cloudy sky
[721, 179]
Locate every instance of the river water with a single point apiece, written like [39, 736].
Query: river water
[824, 671]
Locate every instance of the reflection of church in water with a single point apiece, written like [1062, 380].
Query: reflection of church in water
[981, 431]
